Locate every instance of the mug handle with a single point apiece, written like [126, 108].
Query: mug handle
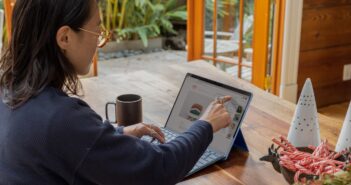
[106, 110]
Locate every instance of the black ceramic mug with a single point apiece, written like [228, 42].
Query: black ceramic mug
[128, 109]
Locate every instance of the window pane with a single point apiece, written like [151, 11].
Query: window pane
[208, 29]
[228, 30]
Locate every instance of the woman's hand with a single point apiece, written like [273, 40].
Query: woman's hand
[217, 115]
[142, 129]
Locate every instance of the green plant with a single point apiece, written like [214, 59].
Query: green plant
[134, 19]
[209, 5]
[340, 178]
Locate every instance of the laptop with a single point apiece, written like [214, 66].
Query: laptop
[194, 96]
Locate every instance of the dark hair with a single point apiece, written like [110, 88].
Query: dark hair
[33, 59]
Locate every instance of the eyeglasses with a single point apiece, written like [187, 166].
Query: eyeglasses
[103, 37]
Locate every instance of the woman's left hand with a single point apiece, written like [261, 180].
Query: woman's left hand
[142, 129]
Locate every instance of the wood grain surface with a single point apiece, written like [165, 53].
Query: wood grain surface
[267, 117]
[325, 49]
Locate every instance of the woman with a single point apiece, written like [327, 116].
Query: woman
[48, 137]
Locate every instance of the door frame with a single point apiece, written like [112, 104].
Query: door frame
[260, 42]
[195, 29]
[195, 35]
[8, 8]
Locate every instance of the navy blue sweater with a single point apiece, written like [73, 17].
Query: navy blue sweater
[57, 139]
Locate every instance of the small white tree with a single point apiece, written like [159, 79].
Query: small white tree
[344, 140]
[304, 129]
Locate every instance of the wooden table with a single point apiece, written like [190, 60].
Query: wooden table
[268, 117]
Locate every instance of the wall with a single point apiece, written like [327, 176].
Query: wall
[325, 48]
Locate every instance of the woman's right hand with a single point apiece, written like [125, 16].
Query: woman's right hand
[217, 115]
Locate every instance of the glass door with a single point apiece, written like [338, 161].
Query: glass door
[228, 28]
[240, 37]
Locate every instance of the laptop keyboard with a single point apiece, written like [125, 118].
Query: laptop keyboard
[209, 156]
[169, 136]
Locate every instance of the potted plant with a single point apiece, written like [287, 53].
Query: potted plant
[137, 24]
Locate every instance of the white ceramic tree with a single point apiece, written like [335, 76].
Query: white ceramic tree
[304, 129]
[344, 140]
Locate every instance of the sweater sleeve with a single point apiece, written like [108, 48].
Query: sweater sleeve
[98, 154]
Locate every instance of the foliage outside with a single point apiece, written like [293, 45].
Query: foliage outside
[140, 19]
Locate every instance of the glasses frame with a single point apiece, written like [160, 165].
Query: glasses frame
[106, 36]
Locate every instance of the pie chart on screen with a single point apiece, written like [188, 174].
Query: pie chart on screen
[196, 109]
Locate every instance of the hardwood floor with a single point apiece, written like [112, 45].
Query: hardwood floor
[337, 111]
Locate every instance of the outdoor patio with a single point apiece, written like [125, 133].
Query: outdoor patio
[141, 62]
[155, 60]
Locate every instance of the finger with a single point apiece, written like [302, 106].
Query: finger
[214, 102]
[218, 108]
[217, 100]
[229, 120]
[226, 98]
[157, 129]
[152, 133]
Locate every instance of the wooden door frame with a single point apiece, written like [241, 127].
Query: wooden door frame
[278, 43]
[195, 35]
[8, 8]
[195, 29]
[260, 42]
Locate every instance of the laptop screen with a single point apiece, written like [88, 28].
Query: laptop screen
[195, 95]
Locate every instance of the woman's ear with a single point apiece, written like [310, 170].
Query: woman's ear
[62, 37]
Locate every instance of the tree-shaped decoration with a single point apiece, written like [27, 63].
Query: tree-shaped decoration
[344, 140]
[304, 129]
